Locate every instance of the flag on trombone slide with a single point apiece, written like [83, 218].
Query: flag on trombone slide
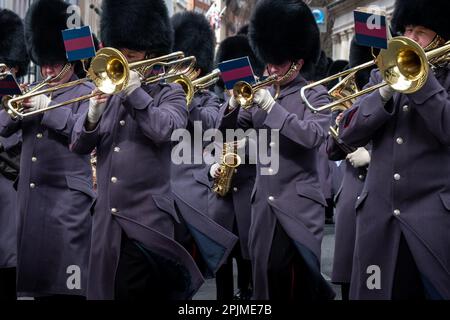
[79, 43]
[370, 28]
[236, 70]
[9, 86]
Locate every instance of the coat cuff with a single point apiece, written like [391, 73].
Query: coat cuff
[276, 117]
[139, 99]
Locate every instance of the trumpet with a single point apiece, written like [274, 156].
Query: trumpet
[404, 66]
[191, 86]
[110, 72]
[244, 92]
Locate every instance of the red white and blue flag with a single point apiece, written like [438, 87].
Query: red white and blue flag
[9, 86]
[79, 43]
[236, 70]
[371, 29]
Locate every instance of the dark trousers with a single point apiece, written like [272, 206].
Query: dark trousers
[225, 279]
[8, 284]
[288, 276]
[345, 291]
[138, 274]
[407, 279]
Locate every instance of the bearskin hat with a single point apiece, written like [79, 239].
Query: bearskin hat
[44, 21]
[243, 30]
[236, 47]
[194, 36]
[13, 51]
[432, 14]
[284, 30]
[358, 55]
[142, 25]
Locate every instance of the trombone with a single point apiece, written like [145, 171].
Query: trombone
[403, 65]
[18, 109]
[110, 72]
[191, 86]
[244, 92]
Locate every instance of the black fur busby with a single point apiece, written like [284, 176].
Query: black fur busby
[237, 47]
[194, 36]
[284, 30]
[13, 52]
[358, 55]
[44, 22]
[432, 14]
[243, 30]
[142, 25]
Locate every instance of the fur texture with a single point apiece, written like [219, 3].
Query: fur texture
[13, 51]
[194, 36]
[141, 25]
[284, 30]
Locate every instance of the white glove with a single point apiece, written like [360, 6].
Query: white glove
[386, 93]
[95, 110]
[214, 170]
[133, 83]
[232, 103]
[38, 102]
[264, 100]
[359, 158]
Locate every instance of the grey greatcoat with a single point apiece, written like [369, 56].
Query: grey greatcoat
[345, 213]
[55, 197]
[407, 190]
[191, 186]
[133, 141]
[8, 211]
[293, 195]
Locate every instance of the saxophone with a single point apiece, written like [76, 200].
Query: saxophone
[229, 161]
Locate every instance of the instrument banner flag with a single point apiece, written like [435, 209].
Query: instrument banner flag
[79, 43]
[236, 70]
[370, 29]
[9, 86]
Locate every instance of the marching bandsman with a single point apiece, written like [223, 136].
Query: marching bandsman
[354, 165]
[54, 189]
[233, 211]
[14, 55]
[134, 254]
[190, 183]
[287, 205]
[402, 241]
